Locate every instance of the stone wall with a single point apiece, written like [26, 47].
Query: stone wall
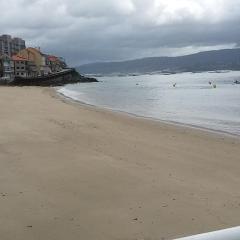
[58, 79]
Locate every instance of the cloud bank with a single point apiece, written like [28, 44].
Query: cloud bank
[101, 30]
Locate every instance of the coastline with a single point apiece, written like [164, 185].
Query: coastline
[72, 171]
[61, 78]
[161, 121]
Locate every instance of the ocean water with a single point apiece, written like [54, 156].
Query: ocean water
[192, 102]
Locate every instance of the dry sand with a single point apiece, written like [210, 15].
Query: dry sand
[69, 171]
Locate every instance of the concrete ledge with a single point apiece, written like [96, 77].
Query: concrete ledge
[226, 234]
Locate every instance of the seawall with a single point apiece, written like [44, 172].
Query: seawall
[67, 76]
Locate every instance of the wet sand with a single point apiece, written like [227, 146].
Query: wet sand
[71, 171]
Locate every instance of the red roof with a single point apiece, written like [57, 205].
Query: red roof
[19, 58]
[53, 59]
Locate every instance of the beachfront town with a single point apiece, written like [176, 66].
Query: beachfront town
[17, 60]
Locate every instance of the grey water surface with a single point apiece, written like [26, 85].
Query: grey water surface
[193, 101]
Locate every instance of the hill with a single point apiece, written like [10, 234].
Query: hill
[227, 59]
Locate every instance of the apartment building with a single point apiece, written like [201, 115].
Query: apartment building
[11, 46]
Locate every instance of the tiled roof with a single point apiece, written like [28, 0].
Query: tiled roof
[52, 58]
[19, 58]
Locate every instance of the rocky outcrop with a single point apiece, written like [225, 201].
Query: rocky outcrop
[68, 76]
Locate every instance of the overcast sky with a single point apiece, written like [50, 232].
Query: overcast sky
[100, 30]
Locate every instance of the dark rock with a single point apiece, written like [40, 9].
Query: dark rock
[68, 76]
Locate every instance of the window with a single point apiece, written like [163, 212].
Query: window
[22, 73]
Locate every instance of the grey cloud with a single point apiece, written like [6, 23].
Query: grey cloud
[95, 30]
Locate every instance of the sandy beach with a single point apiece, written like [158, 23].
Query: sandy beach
[71, 171]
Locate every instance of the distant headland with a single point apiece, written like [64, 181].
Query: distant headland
[226, 59]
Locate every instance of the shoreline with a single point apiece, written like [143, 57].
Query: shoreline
[161, 121]
[71, 171]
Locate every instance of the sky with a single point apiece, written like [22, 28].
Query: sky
[84, 31]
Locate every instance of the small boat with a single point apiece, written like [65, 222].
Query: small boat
[174, 85]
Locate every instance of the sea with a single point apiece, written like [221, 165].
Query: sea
[208, 100]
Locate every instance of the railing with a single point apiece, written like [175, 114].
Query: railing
[226, 234]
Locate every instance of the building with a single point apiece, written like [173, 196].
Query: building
[35, 56]
[17, 60]
[24, 67]
[56, 64]
[20, 66]
[6, 67]
[11, 46]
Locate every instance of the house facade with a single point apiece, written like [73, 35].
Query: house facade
[6, 67]
[20, 66]
[35, 56]
[56, 64]
[23, 67]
